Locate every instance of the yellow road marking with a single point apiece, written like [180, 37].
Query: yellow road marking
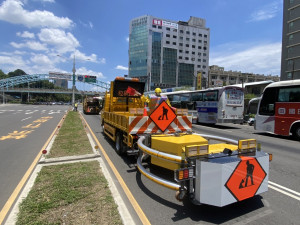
[19, 187]
[22, 134]
[16, 135]
[129, 195]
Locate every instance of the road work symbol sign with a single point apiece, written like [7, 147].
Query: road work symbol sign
[163, 116]
[246, 178]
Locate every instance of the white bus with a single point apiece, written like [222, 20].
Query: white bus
[279, 109]
[213, 105]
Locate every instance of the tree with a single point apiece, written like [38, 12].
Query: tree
[2, 75]
[17, 72]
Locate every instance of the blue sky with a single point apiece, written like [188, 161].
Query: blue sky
[245, 35]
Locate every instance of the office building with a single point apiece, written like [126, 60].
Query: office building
[290, 56]
[166, 53]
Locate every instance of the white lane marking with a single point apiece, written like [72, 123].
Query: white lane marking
[52, 112]
[282, 187]
[26, 118]
[31, 112]
[284, 192]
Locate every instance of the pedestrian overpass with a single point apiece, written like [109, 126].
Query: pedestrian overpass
[8, 84]
[11, 85]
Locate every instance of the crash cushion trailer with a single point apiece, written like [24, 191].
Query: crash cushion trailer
[91, 105]
[214, 174]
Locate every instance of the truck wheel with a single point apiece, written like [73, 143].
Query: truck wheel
[119, 144]
[296, 133]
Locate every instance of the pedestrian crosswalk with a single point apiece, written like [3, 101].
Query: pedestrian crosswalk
[32, 111]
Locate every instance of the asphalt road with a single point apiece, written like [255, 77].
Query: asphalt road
[24, 129]
[161, 207]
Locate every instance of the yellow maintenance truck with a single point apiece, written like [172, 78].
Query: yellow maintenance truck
[91, 105]
[207, 169]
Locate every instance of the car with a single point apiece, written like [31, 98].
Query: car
[251, 121]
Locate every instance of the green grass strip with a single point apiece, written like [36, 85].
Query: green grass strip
[71, 139]
[75, 193]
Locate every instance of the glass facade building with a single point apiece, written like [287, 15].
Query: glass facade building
[166, 53]
[290, 54]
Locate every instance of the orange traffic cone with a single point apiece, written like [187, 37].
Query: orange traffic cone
[145, 111]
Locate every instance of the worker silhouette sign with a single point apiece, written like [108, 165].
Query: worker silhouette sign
[246, 178]
[163, 116]
[249, 175]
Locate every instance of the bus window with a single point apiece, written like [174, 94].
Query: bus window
[210, 96]
[267, 105]
[196, 97]
[185, 97]
[289, 94]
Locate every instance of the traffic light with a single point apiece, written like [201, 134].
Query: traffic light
[90, 79]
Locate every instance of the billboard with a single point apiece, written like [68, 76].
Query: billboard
[199, 81]
[164, 23]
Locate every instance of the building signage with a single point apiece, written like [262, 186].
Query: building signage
[199, 80]
[164, 23]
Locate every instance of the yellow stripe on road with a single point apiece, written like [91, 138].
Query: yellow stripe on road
[129, 195]
[24, 179]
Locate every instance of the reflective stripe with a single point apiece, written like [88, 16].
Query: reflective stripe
[143, 124]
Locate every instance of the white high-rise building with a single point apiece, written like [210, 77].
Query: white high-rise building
[167, 53]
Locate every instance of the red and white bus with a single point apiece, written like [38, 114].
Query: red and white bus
[279, 109]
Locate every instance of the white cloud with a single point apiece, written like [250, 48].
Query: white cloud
[127, 39]
[62, 41]
[12, 11]
[91, 58]
[91, 25]
[88, 25]
[17, 52]
[119, 67]
[85, 71]
[11, 63]
[49, 1]
[267, 12]
[260, 59]
[26, 34]
[34, 45]
[41, 59]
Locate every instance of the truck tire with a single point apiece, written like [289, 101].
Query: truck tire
[119, 145]
[296, 132]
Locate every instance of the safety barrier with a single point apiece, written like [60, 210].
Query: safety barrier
[167, 157]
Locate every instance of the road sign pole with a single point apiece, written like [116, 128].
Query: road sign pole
[73, 87]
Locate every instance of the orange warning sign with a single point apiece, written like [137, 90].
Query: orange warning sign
[163, 116]
[246, 178]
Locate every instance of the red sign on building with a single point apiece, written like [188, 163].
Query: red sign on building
[157, 22]
[246, 178]
[163, 116]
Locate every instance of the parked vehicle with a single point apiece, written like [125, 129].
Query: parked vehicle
[279, 109]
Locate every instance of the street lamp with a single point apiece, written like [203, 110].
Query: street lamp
[74, 79]
[73, 83]
[73, 87]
